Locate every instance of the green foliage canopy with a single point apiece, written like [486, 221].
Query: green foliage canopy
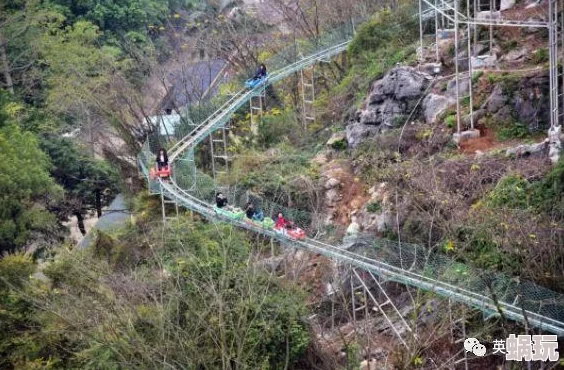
[25, 187]
[190, 300]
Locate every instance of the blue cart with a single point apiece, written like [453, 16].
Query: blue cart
[252, 83]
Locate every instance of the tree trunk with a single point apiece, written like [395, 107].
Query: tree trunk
[6, 65]
[98, 202]
[80, 222]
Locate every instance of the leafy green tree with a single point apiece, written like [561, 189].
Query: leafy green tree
[77, 71]
[25, 186]
[88, 182]
[138, 301]
[116, 16]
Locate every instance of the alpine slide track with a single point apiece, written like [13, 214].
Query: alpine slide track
[494, 294]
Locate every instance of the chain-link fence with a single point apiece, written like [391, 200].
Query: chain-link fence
[507, 293]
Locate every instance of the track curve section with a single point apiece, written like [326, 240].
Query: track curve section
[525, 303]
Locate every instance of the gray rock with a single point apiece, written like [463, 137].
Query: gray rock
[431, 68]
[369, 117]
[504, 114]
[463, 87]
[358, 132]
[332, 183]
[336, 137]
[465, 135]
[476, 116]
[332, 196]
[484, 61]
[487, 15]
[515, 55]
[402, 83]
[445, 34]
[390, 99]
[525, 149]
[384, 221]
[433, 106]
[462, 60]
[495, 101]
[478, 48]
[353, 229]
[506, 4]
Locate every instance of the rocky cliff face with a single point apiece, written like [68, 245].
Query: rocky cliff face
[520, 99]
[513, 99]
[389, 102]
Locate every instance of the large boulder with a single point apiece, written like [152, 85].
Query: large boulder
[336, 138]
[332, 183]
[433, 106]
[390, 100]
[496, 100]
[358, 132]
[463, 85]
[506, 4]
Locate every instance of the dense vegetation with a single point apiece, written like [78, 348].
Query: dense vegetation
[68, 67]
[192, 299]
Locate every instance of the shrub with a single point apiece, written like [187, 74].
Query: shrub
[540, 56]
[548, 194]
[277, 125]
[398, 27]
[476, 76]
[516, 130]
[511, 191]
[374, 207]
[339, 145]
[451, 121]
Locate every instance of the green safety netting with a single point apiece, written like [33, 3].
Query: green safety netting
[441, 270]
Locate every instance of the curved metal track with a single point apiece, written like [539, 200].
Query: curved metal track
[405, 276]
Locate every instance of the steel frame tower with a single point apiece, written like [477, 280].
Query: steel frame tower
[257, 104]
[307, 82]
[447, 12]
[219, 154]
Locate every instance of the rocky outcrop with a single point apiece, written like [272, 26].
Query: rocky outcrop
[337, 140]
[506, 4]
[433, 106]
[389, 102]
[358, 132]
[527, 149]
[520, 99]
[376, 215]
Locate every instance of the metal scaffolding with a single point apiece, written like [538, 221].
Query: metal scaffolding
[364, 300]
[165, 211]
[307, 90]
[219, 154]
[257, 104]
[466, 26]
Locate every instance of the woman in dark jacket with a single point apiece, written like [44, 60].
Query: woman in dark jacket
[250, 210]
[162, 159]
[220, 200]
[261, 73]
